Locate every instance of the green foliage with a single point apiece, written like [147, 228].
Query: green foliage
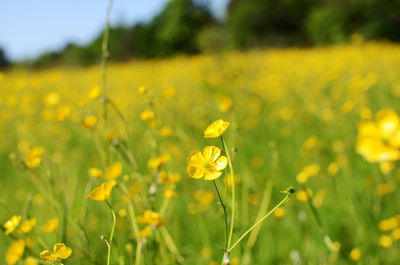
[326, 25]
[4, 62]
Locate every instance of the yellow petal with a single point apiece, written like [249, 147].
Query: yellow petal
[61, 251]
[15, 252]
[211, 153]
[221, 163]
[98, 194]
[216, 129]
[195, 172]
[212, 175]
[195, 158]
[47, 256]
[113, 171]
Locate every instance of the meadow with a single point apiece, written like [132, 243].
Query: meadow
[323, 120]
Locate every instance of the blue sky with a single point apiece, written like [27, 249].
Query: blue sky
[30, 27]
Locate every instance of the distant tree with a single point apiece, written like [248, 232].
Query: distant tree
[254, 22]
[4, 61]
[175, 29]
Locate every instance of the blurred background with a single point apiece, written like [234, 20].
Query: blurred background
[45, 33]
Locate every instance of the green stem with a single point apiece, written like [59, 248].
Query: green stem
[225, 215]
[233, 191]
[259, 222]
[112, 233]
[104, 56]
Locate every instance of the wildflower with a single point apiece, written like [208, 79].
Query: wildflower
[30, 261]
[170, 179]
[151, 218]
[169, 193]
[89, 121]
[113, 171]
[169, 92]
[225, 104]
[165, 131]
[63, 112]
[60, 252]
[388, 224]
[94, 92]
[147, 115]
[355, 254]
[50, 225]
[216, 129]
[207, 164]
[95, 172]
[15, 252]
[307, 172]
[146, 232]
[12, 224]
[28, 225]
[52, 98]
[385, 241]
[396, 234]
[142, 89]
[333, 169]
[33, 157]
[102, 192]
[158, 162]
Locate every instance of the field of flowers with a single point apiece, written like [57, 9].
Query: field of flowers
[94, 174]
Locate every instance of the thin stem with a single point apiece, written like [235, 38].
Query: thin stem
[225, 215]
[138, 253]
[104, 56]
[112, 232]
[233, 191]
[259, 221]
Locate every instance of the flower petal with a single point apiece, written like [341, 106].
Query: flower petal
[221, 163]
[195, 172]
[212, 175]
[195, 159]
[61, 251]
[211, 153]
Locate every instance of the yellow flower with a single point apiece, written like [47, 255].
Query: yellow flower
[113, 171]
[33, 157]
[169, 193]
[355, 254]
[216, 129]
[151, 218]
[158, 162]
[28, 225]
[94, 92]
[60, 252]
[171, 179]
[165, 131]
[12, 224]
[15, 252]
[30, 261]
[63, 112]
[385, 241]
[388, 122]
[147, 115]
[207, 164]
[142, 89]
[50, 225]
[102, 192]
[89, 121]
[95, 172]
[146, 232]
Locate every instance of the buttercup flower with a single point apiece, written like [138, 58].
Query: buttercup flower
[15, 252]
[102, 192]
[50, 225]
[207, 164]
[60, 252]
[28, 225]
[216, 129]
[113, 171]
[12, 224]
[33, 157]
